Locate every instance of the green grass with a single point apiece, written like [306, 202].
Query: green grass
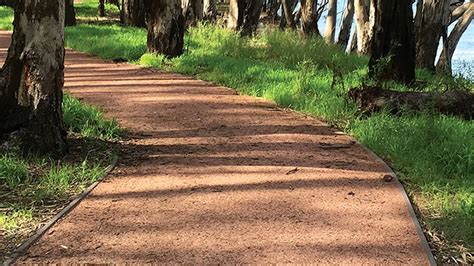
[433, 154]
[6, 18]
[88, 120]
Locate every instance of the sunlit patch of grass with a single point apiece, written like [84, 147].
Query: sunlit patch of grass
[6, 18]
[88, 120]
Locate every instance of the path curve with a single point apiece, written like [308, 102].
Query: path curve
[209, 176]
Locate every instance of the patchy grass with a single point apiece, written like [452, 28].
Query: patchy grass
[433, 154]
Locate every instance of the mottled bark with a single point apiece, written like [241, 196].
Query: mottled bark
[101, 8]
[288, 13]
[329, 33]
[345, 31]
[70, 18]
[210, 10]
[393, 45]
[309, 17]
[444, 62]
[192, 10]
[165, 23]
[364, 25]
[429, 22]
[244, 16]
[32, 77]
[133, 13]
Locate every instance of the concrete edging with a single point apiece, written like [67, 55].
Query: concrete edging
[411, 210]
[40, 232]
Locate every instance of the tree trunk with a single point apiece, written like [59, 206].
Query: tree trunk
[288, 13]
[374, 99]
[210, 10]
[193, 11]
[273, 10]
[31, 81]
[363, 25]
[429, 22]
[244, 16]
[101, 8]
[309, 18]
[70, 18]
[345, 31]
[393, 46]
[133, 13]
[165, 27]
[331, 22]
[444, 62]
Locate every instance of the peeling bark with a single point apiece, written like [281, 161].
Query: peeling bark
[393, 46]
[133, 13]
[165, 27]
[345, 31]
[210, 10]
[31, 80]
[244, 16]
[429, 22]
[363, 14]
[444, 62]
[329, 33]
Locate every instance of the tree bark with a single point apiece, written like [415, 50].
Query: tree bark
[345, 31]
[165, 27]
[309, 18]
[244, 16]
[393, 46]
[133, 13]
[210, 10]
[101, 8]
[444, 62]
[288, 12]
[70, 18]
[193, 11]
[374, 99]
[331, 22]
[31, 80]
[363, 25]
[429, 22]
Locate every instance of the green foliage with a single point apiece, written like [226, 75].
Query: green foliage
[152, 60]
[6, 18]
[13, 171]
[88, 121]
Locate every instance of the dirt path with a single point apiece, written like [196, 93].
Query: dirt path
[211, 177]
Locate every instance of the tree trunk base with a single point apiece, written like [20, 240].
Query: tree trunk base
[374, 99]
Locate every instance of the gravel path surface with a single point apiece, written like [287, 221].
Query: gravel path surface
[209, 176]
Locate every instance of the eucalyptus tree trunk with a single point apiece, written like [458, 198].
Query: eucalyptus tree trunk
[364, 25]
[101, 8]
[210, 10]
[31, 80]
[133, 13]
[192, 10]
[444, 62]
[309, 17]
[288, 11]
[70, 17]
[165, 27]
[429, 23]
[393, 47]
[331, 22]
[244, 16]
[345, 31]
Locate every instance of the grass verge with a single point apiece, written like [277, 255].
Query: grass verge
[433, 154]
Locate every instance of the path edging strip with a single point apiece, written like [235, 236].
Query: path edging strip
[40, 232]
[411, 210]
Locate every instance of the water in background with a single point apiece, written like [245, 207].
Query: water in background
[463, 58]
